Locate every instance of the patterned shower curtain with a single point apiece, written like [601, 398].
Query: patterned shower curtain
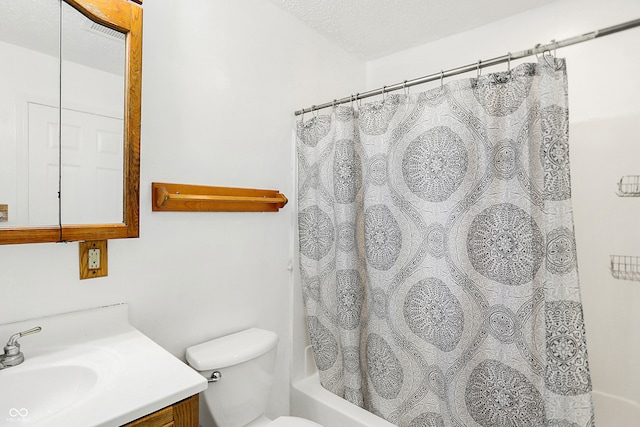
[438, 257]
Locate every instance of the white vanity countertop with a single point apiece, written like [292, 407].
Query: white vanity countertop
[121, 374]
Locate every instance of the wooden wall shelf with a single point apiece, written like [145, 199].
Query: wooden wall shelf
[200, 198]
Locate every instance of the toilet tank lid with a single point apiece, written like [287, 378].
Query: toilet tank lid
[231, 349]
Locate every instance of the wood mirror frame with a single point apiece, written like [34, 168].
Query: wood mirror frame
[125, 17]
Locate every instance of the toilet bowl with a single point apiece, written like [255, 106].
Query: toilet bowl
[240, 369]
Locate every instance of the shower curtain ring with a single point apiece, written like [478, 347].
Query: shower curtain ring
[536, 51]
[384, 88]
[441, 79]
[478, 68]
[546, 55]
[405, 89]
[509, 62]
[314, 112]
[557, 65]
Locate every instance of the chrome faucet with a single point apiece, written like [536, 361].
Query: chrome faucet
[12, 355]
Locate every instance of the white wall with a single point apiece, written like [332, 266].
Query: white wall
[604, 106]
[221, 80]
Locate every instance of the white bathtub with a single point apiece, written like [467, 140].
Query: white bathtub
[312, 401]
[612, 410]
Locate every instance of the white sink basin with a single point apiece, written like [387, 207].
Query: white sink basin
[31, 395]
[90, 368]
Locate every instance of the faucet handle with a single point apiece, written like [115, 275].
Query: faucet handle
[13, 340]
[12, 355]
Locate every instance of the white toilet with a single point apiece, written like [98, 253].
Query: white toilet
[240, 369]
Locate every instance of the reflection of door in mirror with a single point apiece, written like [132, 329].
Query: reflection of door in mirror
[58, 57]
[91, 173]
[92, 99]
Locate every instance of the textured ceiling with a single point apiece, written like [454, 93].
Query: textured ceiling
[33, 24]
[371, 29]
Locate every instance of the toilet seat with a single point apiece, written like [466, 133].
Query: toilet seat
[292, 422]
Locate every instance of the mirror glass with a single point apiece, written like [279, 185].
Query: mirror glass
[63, 68]
[30, 75]
[92, 137]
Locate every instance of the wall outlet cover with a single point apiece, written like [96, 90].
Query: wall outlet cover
[93, 259]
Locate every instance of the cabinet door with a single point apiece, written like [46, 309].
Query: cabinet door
[185, 412]
[180, 414]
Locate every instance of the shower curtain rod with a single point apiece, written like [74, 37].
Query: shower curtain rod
[553, 45]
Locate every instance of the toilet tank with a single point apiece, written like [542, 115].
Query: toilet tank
[246, 361]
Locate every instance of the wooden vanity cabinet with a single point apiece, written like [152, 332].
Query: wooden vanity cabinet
[180, 414]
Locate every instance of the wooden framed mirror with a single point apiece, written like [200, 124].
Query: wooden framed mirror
[124, 19]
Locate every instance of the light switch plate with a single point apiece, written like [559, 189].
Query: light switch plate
[93, 259]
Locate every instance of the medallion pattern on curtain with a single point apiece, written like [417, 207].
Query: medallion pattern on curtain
[438, 257]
